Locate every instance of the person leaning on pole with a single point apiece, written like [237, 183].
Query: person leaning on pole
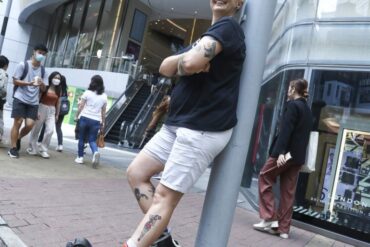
[199, 125]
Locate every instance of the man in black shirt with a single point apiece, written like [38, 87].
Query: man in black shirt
[200, 121]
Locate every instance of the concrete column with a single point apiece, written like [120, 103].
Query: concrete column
[226, 175]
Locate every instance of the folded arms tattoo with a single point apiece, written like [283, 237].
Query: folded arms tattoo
[139, 195]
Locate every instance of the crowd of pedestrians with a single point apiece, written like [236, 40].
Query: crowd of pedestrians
[40, 103]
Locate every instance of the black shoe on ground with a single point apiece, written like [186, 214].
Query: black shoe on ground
[165, 240]
[18, 144]
[13, 153]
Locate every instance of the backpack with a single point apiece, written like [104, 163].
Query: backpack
[64, 105]
[24, 74]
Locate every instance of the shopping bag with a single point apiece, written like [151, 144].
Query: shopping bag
[100, 140]
[311, 154]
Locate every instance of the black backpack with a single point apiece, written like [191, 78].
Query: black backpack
[24, 74]
[64, 105]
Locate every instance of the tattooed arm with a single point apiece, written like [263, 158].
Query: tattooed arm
[193, 61]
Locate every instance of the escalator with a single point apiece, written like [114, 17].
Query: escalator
[126, 109]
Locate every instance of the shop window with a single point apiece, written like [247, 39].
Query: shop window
[106, 39]
[270, 107]
[83, 51]
[73, 34]
[336, 196]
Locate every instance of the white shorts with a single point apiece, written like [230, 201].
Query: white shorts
[185, 153]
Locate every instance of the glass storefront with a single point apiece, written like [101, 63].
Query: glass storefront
[87, 35]
[337, 194]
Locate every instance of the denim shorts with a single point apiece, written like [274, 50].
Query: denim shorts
[185, 153]
[24, 110]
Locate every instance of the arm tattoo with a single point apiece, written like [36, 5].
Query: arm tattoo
[138, 195]
[180, 67]
[149, 225]
[210, 49]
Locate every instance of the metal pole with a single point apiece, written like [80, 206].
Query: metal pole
[224, 183]
[5, 23]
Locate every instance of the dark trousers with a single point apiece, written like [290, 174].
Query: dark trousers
[288, 182]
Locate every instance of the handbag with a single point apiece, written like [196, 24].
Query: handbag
[310, 164]
[100, 140]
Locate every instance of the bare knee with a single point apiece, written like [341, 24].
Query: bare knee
[136, 176]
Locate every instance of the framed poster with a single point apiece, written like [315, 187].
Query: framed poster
[349, 191]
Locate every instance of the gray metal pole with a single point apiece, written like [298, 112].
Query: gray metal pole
[223, 187]
[5, 23]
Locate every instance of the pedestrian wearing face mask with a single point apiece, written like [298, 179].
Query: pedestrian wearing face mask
[29, 81]
[47, 114]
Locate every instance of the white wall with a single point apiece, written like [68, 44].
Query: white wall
[115, 83]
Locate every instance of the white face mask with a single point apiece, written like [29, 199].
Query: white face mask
[56, 82]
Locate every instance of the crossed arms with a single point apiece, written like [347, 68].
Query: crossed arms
[194, 61]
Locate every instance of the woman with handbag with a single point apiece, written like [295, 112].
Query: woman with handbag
[91, 114]
[286, 157]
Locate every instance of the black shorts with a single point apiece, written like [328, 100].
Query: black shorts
[23, 110]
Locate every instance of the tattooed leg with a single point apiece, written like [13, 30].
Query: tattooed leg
[149, 225]
[139, 195]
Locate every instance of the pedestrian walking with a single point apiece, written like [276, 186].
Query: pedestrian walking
[64, 106]
[200, 122]
[48, 112]
[29, 80]
[4, 63]
[91, 116]
[287, 155]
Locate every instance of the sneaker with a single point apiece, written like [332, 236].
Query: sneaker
[166, 240]
[96, 159]
[59, 148]
[13, 153]
[18, 144]
[261, 226]
[30, 151]
[44, 154]
[79, 160]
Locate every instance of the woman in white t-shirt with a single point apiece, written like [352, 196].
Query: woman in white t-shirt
[91, 113]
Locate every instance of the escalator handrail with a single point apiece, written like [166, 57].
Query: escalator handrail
[111, 118]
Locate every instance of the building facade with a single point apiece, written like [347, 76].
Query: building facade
[326, 42]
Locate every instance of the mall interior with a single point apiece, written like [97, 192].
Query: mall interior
[326, 42]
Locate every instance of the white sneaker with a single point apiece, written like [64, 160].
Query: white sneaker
[30, 151]
[44, 154]
[59, 148]
[95, 159]
[264, 225]
[79, 160]
[284, 235]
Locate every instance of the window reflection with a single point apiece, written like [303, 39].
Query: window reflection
[336, 193]
[83, 55]
[270, 107]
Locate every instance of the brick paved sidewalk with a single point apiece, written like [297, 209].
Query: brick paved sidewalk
[49, 202]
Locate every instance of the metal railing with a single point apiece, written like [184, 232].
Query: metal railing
[132, 134]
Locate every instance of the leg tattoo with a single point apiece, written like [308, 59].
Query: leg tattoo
[149, 225]
[138, 195]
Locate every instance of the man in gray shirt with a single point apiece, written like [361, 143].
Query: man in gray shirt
[29, 79]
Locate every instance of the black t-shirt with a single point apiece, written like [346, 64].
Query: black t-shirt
[207, 101]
